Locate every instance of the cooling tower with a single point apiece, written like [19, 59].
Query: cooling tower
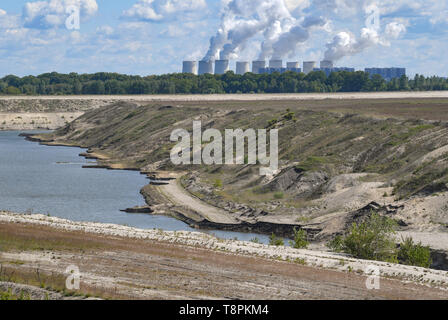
[275, 64]
[221, 66]
[326, 64]
[242, 67]
[190, 67]
[257, 65]
[308, 66]
[292, 65]
[205, 67]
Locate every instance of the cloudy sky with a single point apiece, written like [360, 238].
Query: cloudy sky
[154, 36]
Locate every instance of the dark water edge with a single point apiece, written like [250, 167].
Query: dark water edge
[50, 180]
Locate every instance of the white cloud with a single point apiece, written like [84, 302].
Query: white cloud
[53, 13]
[159, 10]
[395, 30]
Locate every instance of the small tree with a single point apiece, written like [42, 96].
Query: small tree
[414, 254]
[275, 241]
[300, 239]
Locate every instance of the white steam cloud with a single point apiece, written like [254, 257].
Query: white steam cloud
[244, 19]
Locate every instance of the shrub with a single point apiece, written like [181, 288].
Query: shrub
[275, 241]
[279, 195]
[218, 183]
[414, 254]
[372, 239]
[300, 239]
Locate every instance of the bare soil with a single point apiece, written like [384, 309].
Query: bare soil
[120, 267]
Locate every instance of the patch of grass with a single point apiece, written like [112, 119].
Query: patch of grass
[9, 296]
[311, 163]
[279, 195]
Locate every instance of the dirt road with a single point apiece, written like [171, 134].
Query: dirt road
[180, 197]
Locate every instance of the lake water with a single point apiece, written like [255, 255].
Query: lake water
[51, 180]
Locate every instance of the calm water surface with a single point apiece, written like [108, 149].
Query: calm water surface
[51, 180]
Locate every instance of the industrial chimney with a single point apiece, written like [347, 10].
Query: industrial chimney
[257, 65]
[205, 67]
[221, 66]
[242, 67]
[190, 67]
[308, 66]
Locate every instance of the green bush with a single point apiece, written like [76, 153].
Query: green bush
[275, 241]
[218, 183]
[414, 254]
[300, 239]
[372, 239]
[279, 195]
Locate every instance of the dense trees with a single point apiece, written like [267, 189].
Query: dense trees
[289, 82]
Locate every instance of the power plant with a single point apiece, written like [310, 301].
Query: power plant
[309, 66]
[205, 67]
[257, 66]
[220, 67]
[242, 67]
[190, 67]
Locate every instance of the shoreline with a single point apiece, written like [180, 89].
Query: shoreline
[188, 215]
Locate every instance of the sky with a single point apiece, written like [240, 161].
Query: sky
[145, 37]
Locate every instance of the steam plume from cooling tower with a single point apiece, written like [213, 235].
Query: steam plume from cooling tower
[346, 44]
[288, 41]
[242, 20]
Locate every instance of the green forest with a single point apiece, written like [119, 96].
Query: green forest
[180, 83]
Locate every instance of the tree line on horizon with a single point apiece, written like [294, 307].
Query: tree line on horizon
[181, 83]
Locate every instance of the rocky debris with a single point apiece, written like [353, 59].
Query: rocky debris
[344, 181]
[295, 180]
[362, 214]
[139, 209]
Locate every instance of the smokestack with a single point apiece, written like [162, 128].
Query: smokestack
[326, 64]
[308, 66]
[257, 65]
[242, 67]
[205, 67]
[190, 67]
[275, 64]
[221, 66]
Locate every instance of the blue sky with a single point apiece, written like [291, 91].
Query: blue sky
[154, 36]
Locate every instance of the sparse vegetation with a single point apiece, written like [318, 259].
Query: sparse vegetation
[300, 239]
[276, 241]
[414, 254]
[371, 240]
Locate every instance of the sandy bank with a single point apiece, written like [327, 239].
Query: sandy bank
[243, 97]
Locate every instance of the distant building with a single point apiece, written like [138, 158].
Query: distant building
[328, 71]
[387, 73]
